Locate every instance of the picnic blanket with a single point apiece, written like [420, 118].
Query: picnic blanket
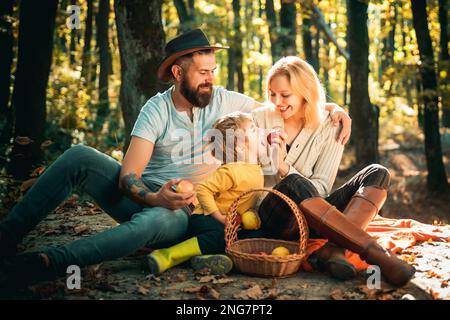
[393, 234]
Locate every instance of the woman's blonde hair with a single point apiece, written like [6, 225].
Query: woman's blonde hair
[226, 127]
[304, 83]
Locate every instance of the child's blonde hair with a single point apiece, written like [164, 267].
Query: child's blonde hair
[226, 127]
[304, 83]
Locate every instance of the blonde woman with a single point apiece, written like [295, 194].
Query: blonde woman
[308, 158]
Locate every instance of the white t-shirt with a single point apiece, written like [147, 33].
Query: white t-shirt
[180, 150]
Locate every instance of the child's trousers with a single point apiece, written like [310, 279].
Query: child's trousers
[211, 233]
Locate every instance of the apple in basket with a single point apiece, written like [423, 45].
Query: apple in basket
[280, 251]
[250, 220]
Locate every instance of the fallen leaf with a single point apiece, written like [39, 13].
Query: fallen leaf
[223, 281]
[80, 229]
[213, 293]
[337, 295]
[180, 277]
[254, 292]
[432, 274]
[191, 289]
[143, 291]
[27, 184]
[444, 284]
[23, 141]
[38, 171]
[206, 279]
[46, 144]
[435, 295]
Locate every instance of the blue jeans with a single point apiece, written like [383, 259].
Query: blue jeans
[96, 174]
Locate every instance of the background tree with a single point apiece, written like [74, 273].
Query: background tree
[235, 54]
[87, 54]
[6, 58]
[436, 179]
[141, 42]
[364, 115]
[186, 17]
[102, 22]
[37, 22]
[444, 63]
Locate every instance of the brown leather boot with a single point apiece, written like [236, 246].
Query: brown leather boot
[361, 210]
[365, 205]
[334, 225]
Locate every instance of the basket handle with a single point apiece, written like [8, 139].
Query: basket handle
[231, 227]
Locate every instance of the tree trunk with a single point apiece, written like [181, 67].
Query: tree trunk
[37, 23]
[288, 26]
[141, 43]
[273, 30]
[6, 58]
[387, 51]
[445, 62]
[361, 110]
[237, 44]
[306, 35]
[186, 18]
[316, 50]
[436, 179]
[87, 54]
[104, 55]
[231, 65]
[73, 41]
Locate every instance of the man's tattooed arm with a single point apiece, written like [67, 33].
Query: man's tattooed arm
[133, 187]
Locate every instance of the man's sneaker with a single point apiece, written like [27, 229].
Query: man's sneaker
[26, 269]
[216, 263]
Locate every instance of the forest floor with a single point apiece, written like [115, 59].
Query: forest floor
[125, 278]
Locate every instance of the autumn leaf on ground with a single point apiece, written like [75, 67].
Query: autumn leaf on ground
[435, 295]
[408, 258]
[38, 171]
[206, 279]
[254, 292]
[142, 290]
[80, 229]
[191, 289]
[46, 144]
[223, 281]
[444, 284]
[27, 184]
[23, 141]
[337, 295]
[432, 274]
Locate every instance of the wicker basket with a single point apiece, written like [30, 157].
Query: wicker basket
[245, 253]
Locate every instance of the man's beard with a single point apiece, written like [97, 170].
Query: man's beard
[195, 97]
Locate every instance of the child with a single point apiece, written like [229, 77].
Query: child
[239, 172]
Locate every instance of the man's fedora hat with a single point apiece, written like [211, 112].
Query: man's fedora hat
[183, 44]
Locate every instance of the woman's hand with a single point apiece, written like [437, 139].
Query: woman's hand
[166, 197]
[278, 145]
[338, 115]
